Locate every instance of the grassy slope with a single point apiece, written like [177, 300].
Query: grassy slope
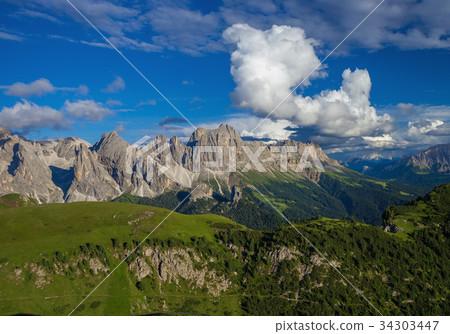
[430, 211]
[335, 194]
[399, 276]
[15, 201]
[32, 233]
[399, 172]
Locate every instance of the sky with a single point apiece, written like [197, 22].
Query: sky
[263, 67]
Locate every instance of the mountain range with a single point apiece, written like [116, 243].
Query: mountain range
[427, 169]
[160, 171]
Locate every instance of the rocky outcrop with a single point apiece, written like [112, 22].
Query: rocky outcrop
[171, 265]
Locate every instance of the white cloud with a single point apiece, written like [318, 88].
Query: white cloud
[406, 108]
[441, 130]
[117, 85]
[383, 141]
[120, 127]
[37, 14]
[25, 116]
[126, 42]
[113, 103]
[196, 99]
[189, 31]
[38, 88]
[417, 128]
[146, 103]
[269, 129]
[82, 90]
[110, 17]
[346, 112]
[267, 65]
[405, 24]
[86, 109]
[9, 36]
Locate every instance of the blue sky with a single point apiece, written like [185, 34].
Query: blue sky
[233, 62]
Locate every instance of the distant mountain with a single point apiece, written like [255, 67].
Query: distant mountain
[426, 169]
[160, 172]
[362, 164]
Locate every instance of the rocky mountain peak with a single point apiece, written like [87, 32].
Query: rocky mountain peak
[435, 158]
[4, 132]
[225, 135]
[108, 139]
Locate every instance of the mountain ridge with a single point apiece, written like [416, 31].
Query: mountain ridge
[428, 169]
[104, 164]
[298, 178]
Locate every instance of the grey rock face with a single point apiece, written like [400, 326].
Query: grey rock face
[436, 158]
[23, 171]
[71, 169]
[91, 180]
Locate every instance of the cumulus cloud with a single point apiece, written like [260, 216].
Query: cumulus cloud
[86, 109]
[26, 116]
[383, 141]
[270, 129]
[268, 65]
[38, 88]
[346, 112]
[423, 126]
[117, 85]
[440, 130]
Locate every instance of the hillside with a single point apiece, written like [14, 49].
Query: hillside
[15, 201]
[428, 213]
[426, 169]
[55, 254]
[333, 194]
